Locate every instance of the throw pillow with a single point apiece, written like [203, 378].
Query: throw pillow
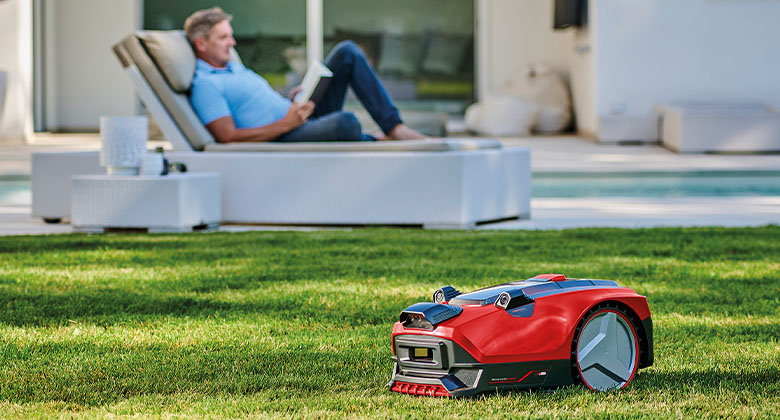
[401, 55]
[502, 116]
[447, 54]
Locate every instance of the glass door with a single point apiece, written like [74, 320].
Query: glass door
[423, 50]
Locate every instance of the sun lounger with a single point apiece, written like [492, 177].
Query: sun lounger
[435, 183]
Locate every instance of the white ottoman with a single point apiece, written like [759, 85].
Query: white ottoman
[171, 203]
[720, 128]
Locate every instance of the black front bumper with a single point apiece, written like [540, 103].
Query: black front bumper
[442, 362]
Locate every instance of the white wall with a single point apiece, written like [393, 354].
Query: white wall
[519, 32]
[84, 78]
[635, 54]
[16, 59]
[652, 52]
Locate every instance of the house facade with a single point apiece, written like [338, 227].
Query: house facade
[632, 55]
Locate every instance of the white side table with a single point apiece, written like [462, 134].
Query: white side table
[170, 203]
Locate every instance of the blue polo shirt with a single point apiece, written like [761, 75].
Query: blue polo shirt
[235, 91]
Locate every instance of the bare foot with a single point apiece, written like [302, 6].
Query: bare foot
[402, 132]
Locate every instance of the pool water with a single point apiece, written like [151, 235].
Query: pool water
[15, 191]
[657, 184]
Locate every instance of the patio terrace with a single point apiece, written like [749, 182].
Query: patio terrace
[569, 154]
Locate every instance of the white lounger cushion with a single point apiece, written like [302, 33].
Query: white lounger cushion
[433, 145]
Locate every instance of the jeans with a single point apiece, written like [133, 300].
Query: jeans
[336, 126]
[328, 122]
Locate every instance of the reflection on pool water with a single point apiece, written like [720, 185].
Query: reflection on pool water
[16, 190]
[657, 184]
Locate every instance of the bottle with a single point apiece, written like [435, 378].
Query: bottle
[166, 164]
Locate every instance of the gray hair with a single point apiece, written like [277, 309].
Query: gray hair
[200, 23]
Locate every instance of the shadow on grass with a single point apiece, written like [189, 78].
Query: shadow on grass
[689, 244]
[115, 306]
[79, 243]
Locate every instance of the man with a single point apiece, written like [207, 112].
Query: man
[238, 105]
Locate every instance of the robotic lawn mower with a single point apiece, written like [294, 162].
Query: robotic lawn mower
[546, 331]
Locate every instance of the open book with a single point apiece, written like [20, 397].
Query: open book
[314, 83]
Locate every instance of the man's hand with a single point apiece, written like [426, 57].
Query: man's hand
[297, 114]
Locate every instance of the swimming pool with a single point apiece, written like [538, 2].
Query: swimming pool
[656, 184]
[16, 190]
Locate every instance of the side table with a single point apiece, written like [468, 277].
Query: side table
[170, 203]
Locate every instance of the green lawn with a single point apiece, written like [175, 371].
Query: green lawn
[294, 324]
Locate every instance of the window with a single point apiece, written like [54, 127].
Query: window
[270, 34]
[423, 50]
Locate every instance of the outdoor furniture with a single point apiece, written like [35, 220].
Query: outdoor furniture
[434, 183]
[171, 203]
[720, 128]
